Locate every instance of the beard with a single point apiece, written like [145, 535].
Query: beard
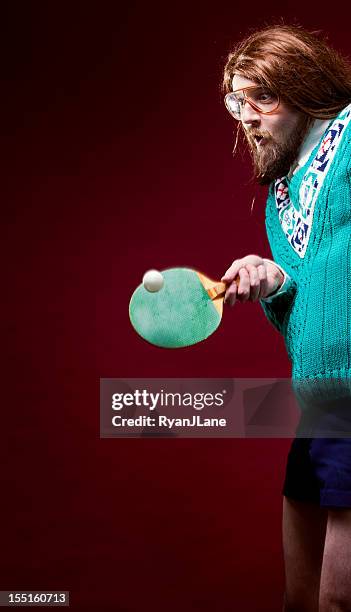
[274, 158]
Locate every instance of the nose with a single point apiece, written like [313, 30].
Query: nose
[249, 115]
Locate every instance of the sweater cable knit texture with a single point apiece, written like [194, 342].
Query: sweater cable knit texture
[308, 221]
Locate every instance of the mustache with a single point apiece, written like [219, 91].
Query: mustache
[256, 133]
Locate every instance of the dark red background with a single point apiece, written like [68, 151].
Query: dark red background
[117, 158]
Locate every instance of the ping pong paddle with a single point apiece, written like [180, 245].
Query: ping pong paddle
[187, 310]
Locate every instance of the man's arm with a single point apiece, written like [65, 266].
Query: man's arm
[278, 304]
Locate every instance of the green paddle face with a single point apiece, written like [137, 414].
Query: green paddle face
[180, 314]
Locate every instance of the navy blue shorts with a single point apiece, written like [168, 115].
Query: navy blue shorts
[319, 471]
[319, 462]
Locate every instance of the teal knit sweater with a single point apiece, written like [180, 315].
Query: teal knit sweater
[308, 221]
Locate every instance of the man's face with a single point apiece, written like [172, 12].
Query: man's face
[283, 132]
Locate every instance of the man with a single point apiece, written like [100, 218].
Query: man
[291, 94]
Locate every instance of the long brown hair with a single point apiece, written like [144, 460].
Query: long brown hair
[298, 65]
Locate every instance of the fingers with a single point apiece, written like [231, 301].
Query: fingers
[254, 285]
[240, 291]
[231, 278]
[230, 295]
[262, 274]
[244, 285]
[232, 272]
[252, 280]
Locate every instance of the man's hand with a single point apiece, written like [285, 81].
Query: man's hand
[258, 279]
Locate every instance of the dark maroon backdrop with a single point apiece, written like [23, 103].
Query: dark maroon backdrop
[117, 158]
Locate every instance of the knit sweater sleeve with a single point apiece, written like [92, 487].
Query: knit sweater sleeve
[277, 307]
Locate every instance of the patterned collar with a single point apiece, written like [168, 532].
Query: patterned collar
[312, 138]
[296, 217]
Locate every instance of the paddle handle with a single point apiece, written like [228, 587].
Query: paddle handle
[219, 289]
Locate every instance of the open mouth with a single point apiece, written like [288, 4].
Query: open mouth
[258, 139]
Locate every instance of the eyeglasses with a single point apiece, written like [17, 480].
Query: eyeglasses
[260, 99]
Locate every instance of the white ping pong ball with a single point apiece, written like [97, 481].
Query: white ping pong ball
[153, 280]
